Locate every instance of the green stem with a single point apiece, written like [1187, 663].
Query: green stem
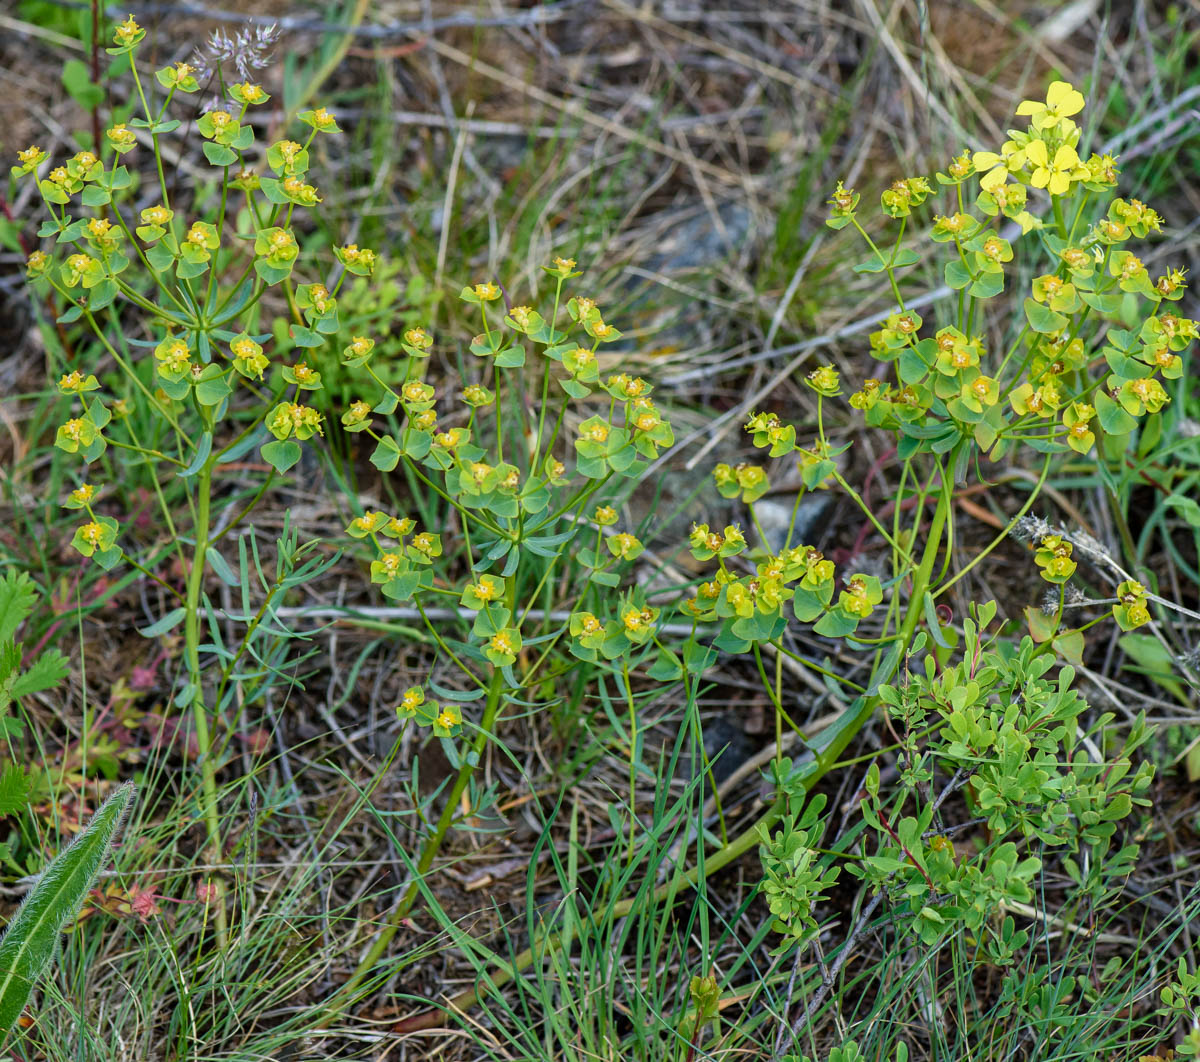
[1059, 220]
[208, 771]
[1033, 496]
[149, 453]
[150, 575]
[883, 259]
[162, 177]
[430, 850]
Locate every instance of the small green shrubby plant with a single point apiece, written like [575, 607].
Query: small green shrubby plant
[987, 722]
[1015, 740]
[1181, 1003]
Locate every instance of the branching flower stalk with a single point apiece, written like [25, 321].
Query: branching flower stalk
[202, 346]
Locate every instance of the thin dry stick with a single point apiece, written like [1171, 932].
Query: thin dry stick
[831, 976]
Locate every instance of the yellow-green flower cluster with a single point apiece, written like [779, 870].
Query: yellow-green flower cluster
[294, 420]
[1053, 557]
[1131, 610]
[444, 719]
[633, 624]
[745, 481]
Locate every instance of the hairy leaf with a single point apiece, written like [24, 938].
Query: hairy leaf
[30, 938]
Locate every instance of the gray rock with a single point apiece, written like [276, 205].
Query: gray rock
[775, 515]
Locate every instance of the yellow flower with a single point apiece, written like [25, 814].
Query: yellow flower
[1054, 174]
[998, 165]
[364, 257]
[960, 166]
[1170, 283]
[322, 119]
[824, 380]
[1062, 101]
[842, 200]
[418, 337]
[1077, 420]
[83, 494]
[251, 93]
[488, 292]
[624, 545]
[31, 158]
[127, 32]
[485, 591]
[425, 543]
[447, 720]
[633, 620]
[585, 625]
[297, 189]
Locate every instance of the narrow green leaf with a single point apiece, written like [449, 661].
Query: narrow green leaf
[202, 451]
[221, 566]
[932, 621]
[161, 626]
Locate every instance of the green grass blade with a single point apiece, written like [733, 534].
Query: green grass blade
[29, 941]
